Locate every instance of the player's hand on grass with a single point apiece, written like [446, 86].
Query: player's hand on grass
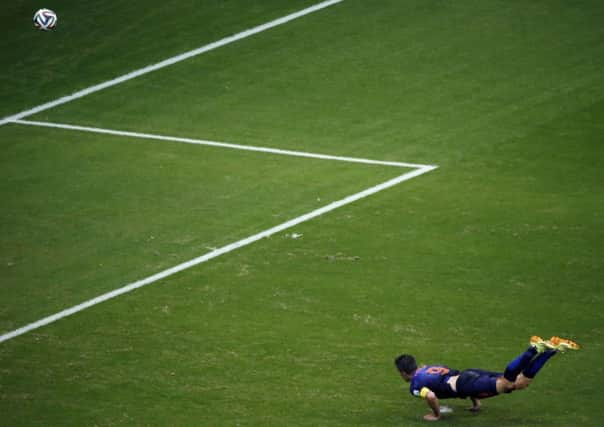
[431, 417]
[475, 405]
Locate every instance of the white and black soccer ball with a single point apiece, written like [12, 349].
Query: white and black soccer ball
[45, 19]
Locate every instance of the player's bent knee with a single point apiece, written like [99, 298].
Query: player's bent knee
[504, 385]
[522, 382]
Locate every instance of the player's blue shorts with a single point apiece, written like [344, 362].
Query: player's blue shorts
[477, 383]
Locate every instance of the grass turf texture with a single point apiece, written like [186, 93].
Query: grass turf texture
[156, 205]
[460, 266]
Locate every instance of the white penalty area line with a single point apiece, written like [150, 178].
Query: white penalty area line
[216, 253]
[140, 135]
[170, 61]
[418, 170]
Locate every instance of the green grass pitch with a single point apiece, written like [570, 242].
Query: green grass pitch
[458, 266]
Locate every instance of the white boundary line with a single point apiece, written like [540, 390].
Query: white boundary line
[170, 61]
[216, 144]
[419, 170]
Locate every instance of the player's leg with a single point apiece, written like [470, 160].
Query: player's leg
[524, 379]
[537, 363]
[545, 351]
[508, 382]
[554, 345]
[519, 364]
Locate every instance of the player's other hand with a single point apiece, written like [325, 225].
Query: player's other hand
[475, 405]
[431, 417]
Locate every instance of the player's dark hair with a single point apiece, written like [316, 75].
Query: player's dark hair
[406, 363]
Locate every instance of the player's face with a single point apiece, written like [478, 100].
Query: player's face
[406, 377]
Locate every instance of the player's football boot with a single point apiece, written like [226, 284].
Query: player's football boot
[563, 344]
[539, 344]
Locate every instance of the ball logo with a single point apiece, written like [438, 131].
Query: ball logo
[45, 19]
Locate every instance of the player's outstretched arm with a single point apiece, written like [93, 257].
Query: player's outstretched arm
[433, 403]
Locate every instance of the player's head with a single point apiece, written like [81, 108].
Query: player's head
[406, 365]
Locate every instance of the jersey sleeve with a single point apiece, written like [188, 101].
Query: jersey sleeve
[421, 393]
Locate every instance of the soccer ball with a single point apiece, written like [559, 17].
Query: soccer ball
[45, 19]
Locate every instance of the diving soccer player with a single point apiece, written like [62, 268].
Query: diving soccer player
[436, 382]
